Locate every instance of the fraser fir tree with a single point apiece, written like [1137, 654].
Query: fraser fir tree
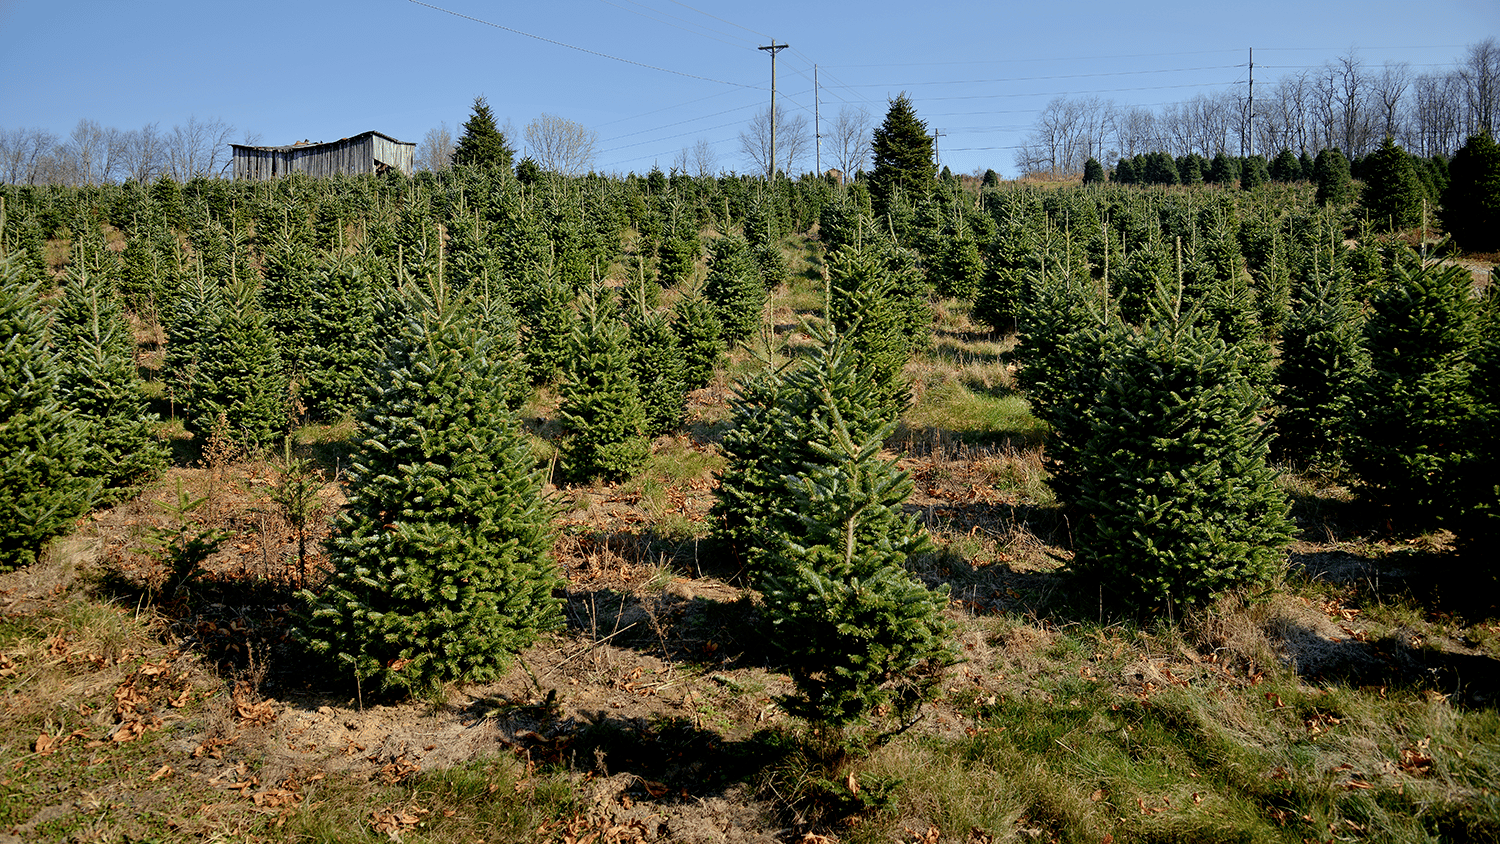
[701, 339]
[1176, 498]
[1331, 173]
[734, 288]
[866, 308]
[1322, 359]
[1285, 167]
[1410, 412]
[547, 321]
[44, 484]
[773, 422]
[1093, 172]
[340, 332]
[239, 373]
[482, 143]
[603, 420]
[902, 154]
[441, 563]
[1392, 198]
[657, 361]
[856, 631]
[1471, 202]
[98, 382]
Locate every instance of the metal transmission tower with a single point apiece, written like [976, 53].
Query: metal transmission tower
[773, 50]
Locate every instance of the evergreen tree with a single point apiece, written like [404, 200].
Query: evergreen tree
[1322, 359]
[603, 420]
[441, 563]
[1471, 201]
[548, 321]
[1160, 169]
[43, 480]
[482, 143]
[773, 423]
[1253, 173]
[1331, 173]
[1176, 498]
[340, 347]
[1125, 173]
[98, 382]
[903, 157]
[700, 337]
[865, 309]
[1190, 169]
[1410, 413]
[1224, 170]
[1285, 167]
[856, 630]
[1093, 172]
[656, 358]
[734, 288]
[991, 179]
[1392, 198]
[239, 373]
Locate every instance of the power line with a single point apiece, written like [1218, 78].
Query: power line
[579, 49]
[673, 25]
[1045, 78]
[721, 20]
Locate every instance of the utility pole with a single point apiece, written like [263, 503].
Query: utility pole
[937, 160]
[773, 50]
[817, 128]
[1251, 120]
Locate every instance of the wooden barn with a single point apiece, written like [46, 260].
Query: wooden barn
[368, 152]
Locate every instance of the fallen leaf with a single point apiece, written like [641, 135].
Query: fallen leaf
[163, 771]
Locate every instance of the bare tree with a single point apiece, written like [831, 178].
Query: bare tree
[197, 148]
[1388, 91]
[435, 153]
[560, 145]
[25, 155]
[1136, 132]
[1481, 82]
[1067, 134]
[792, 140]
[849, 139]
[141, 153]
[94, 152]
[705, 158]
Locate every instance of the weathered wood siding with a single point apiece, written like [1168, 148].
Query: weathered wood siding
[365, 153]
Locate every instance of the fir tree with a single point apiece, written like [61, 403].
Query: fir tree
[1093, 172]
[773, 423]
[1331, 173]
[1224, 170]
[1322, 358]
[1410, 412]
[855, 629]
[865, 308]
[658, 364]
[340, 347]
[734, 288]
[547, 321]
[1392, 198]
[1176, 499]
[98, 382]
[1471, 202]
[482, 143]
[603, 421]
[239, 373]
[441, 563]
[903, 158]
[701, 339]
[1285, 167]
[43, 480]
[1253, 172]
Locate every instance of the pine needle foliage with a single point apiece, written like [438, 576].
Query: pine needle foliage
[43, 482]
[700, 337]
[1322, 359]
[441, 562]
[1471, 201]
[735, 288]
[239, 373]
[873, 302]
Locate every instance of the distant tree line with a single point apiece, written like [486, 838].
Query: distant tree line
[93, 154]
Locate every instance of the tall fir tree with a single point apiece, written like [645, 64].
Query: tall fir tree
[482, 143]
[441, 564]
[340, 331]
[700, 336]
[1392, 198]
[1331, 173]
[735, 289]
[44, 483]
[656, 358]
[1410, 412]
[1322, 359]
[902, 156]
[99, 383]
[239, 374]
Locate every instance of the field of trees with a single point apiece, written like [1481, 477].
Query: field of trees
[499, 504]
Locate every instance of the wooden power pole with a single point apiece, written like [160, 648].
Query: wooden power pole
[773, 50]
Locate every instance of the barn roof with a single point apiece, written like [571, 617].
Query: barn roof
[315, 145]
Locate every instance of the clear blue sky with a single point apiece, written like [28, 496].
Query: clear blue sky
[978, 72]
